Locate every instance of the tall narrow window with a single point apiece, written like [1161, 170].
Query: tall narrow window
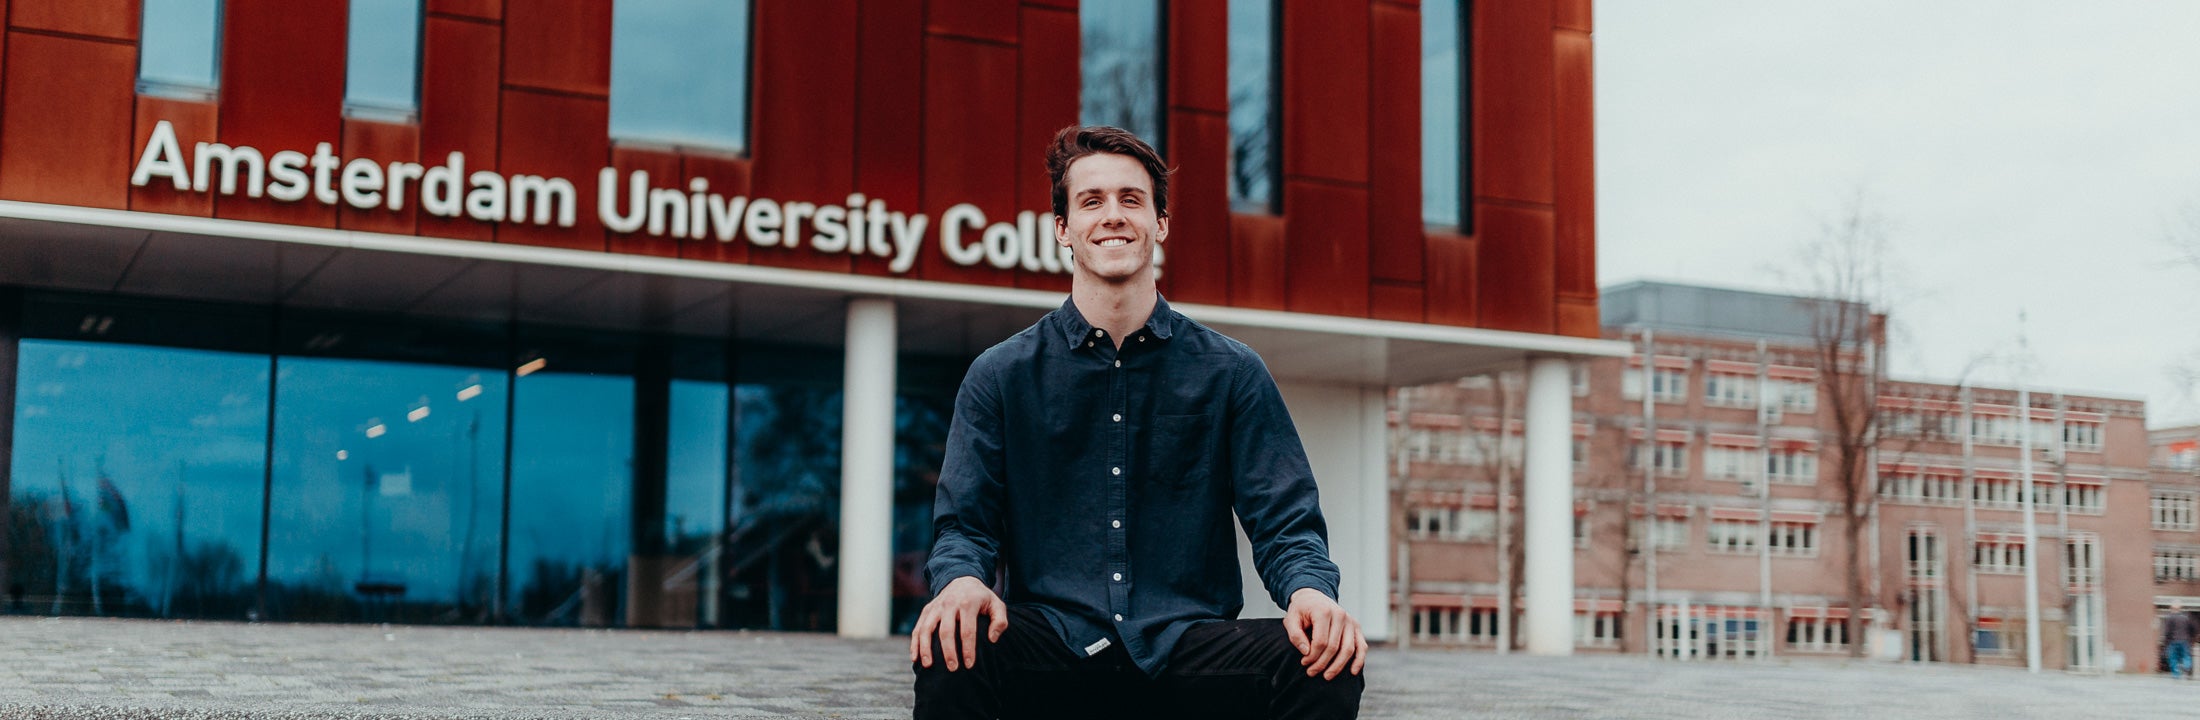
[1253, 121]
[382, 62]
[679, 73]
[1122, 46]
[180, 53]
[1444, 93]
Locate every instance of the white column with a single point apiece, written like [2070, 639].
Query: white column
[1549, 501]
[867, 471]
[1372, 551]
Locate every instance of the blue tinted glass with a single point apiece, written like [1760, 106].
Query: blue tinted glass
[181, 47]
[786, 520]
[679, 72]
[1253, 160]
[389, 486]
[1441, 132]
[695, 478]
[1121, 42]
[382, 71]
[572, 497]
[136, 480]
[920, 442]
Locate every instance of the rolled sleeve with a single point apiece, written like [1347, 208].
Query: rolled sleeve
[966, 512]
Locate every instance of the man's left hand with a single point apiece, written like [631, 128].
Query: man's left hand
[1328, 639]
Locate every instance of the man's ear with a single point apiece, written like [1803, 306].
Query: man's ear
[1161, 230]
[1061, 231]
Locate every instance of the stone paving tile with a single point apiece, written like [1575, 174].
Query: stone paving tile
[87, 668]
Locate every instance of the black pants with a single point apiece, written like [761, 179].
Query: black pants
[1233, 669]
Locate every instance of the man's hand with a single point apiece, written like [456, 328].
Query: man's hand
[1328, 639]
[954, 615]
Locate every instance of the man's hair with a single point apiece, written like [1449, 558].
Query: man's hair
[1077, 141]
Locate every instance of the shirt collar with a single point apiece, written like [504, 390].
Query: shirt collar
[1074, 328]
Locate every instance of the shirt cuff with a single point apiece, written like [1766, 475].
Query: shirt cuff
[942, 575]
[1307, 581]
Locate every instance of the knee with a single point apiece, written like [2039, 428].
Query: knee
[982, 650]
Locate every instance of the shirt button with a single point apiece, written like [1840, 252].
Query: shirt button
[1118, 417]
[1118, 577]
[1141, 338]
[1118, 363]
[1115, 471]
[1115, 523]
[1118, 618]
[1088, 343]
[1099, 333]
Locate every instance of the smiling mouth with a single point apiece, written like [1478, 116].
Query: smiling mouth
[1113, 242]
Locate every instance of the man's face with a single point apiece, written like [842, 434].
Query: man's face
[1111, 226]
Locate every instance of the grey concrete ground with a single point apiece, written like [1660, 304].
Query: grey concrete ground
[80, 668]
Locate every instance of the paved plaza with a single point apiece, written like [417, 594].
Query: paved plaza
[85, 668]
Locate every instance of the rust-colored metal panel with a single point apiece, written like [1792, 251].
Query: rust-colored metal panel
[1450, 291]
[194, 123]
[282, 88]
[1048, 88]
[805, 117]
[562, 45]
[554, 136]
[1326, 248]
[111, 19]
[993, 20]
[1325, 90]
[969, 153]
[1056, 4]
[1516, 289]
[889, 138]
[665, 171]
[1199, 54]
[1256, 261]
[1198, 250]
[384, 143]
[1394, 145]
[1575, 157]
[1512, 101]
[1403, 302]
[728, 177]
[1571, 14]
[68, 126]
[458, 108]
[483, 9]
[1577, 316]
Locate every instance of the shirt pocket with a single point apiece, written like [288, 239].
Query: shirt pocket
[1180, 450]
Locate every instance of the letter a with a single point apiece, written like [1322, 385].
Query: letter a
[162, 157]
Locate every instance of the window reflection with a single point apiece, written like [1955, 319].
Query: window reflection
[572, 481]
[136, 480]
[1121, 46]
[1443, 92]
[382, 60]
[679, 72]
[920, 443]
[181, 48]
[786, 530]
[1253, 118]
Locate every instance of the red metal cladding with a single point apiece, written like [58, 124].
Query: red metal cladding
[1326, 247]
[554, 136]
[665, 171]
[562, 45]
[282, 88]
[1199, 55]
[1450, 291]
[1047, 88]
[1516, 290]
[1571, 14]
[111, 19]
[805, 118]
[728, 177]
[1256, 261]
[1394, 228]
[193, 122]
[1512, 104]
[969, 132]
[1198, 253]
[458, 108]
[68, 107]
[990, 20]
[386, 144]
[1577, 316]
[1576, 166]
[482, 9]
[1396, 301]
[1325, 90]
[889, 138]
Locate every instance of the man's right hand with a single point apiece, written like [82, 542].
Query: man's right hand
[954, 616]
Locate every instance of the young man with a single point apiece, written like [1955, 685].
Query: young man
[1096, 458]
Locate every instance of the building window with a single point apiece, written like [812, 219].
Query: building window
[1818, 634]
[1792, 466]
[1581, 452]
[1580, 373]
[1439, 624]
[1794, 539]
[1254, 161]
[2085, 497]
[1668, 385]
[2082, 436]
[1581, 531]
[1671, 459]
[1998, 555]
[1122, 58]
[1451, 524]
[1722, 462]
[1599, 629]
[1729, 390]
[382, 60]
[1446, 153]
[1733, 536]
[1922, 489]
[1994, 429]
[2001, 493]
[180, 53]
[1671, 533]
[2173, 511]
[2176, 564]
[1796, 395]
[680, 73]
[1993, 639]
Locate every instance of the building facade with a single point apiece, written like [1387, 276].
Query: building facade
[1681, 552]
[597, 313]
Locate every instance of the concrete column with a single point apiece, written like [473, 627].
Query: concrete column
[867, 471]
[1549, 506]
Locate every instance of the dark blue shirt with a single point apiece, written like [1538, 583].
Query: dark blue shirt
[1102, 482]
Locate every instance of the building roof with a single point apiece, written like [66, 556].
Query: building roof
[1708, 311]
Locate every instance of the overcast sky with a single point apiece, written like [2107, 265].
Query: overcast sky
[2025, 154]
